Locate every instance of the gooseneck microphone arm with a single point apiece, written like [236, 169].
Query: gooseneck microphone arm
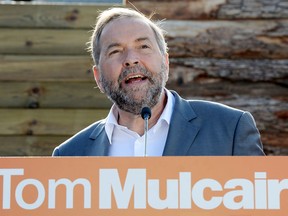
[146, 115]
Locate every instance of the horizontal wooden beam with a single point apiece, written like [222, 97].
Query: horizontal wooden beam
[49, 15]
[187, 70]
[52, 95]
[228, 39]
[46, 68]
[44, 41]
[217, 88]
[29, 145]
[79, 69]
[274, 150]
[46, 122]
[213, 9]
[218, 39]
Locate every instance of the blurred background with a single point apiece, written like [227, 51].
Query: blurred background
[229, 51]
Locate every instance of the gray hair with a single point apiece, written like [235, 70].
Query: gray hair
[115, 13]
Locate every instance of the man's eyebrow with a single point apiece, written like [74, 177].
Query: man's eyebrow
[112, 45]
[142, 39]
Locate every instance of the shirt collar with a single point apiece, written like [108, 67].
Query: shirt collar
[167, 112]
[111, 120]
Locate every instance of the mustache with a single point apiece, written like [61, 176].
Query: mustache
[135, 69]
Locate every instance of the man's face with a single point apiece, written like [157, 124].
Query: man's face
[132, 71]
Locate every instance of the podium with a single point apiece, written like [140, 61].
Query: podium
[143, 186]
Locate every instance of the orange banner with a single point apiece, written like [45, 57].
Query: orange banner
[144, 186]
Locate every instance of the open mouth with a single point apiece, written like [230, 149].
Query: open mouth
[135, 79]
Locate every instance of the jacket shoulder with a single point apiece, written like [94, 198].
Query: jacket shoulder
[80, 141]
[212, 108]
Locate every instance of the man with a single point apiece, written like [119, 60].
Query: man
[131, 68]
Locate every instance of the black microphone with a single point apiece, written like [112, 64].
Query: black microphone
[146, 114]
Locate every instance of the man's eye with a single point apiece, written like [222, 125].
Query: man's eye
[144, 46]
[113, 52]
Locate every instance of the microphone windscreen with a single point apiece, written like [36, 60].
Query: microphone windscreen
[146, 113]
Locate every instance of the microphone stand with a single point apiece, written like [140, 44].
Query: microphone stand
[145, 135]
[146, 115]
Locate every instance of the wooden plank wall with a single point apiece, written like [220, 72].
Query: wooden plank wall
[47, 87]
[230, 51]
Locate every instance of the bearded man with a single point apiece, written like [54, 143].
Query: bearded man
[132, 68]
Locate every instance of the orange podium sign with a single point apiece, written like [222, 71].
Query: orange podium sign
[167, 186]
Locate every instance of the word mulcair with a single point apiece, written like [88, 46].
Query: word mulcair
[181, 193]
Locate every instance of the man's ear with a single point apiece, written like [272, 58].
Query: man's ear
[96, 73]
[167, 65]
[167, 59]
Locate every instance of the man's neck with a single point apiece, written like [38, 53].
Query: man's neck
[135, 122]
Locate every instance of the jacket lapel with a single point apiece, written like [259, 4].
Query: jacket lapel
[181, 132]
[100, 143]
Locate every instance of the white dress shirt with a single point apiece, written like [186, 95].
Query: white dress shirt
[125, 142]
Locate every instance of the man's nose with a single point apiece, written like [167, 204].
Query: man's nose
[131, 59]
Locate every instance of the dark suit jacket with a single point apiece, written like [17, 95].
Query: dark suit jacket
[197, 128]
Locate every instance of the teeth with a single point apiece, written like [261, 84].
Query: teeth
[134, 77]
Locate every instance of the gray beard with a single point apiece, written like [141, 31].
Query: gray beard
[124, 99]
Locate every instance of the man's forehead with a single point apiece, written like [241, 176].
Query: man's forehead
[125, 20]
[130, 27]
